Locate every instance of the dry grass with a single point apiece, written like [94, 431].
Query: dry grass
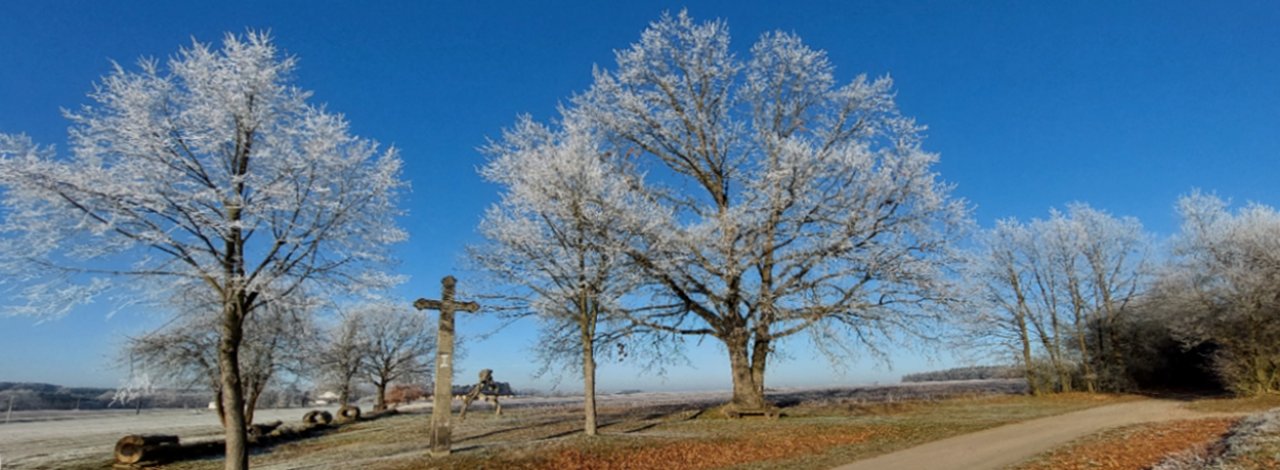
[812, 434]
[1237, 405]
[1252, 444]
[1133, 447]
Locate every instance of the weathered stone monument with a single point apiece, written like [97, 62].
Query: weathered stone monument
[441, 428]
[486, 388]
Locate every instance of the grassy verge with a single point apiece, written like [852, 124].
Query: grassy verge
[812, 434]
[1236, 405]
[1133, 447]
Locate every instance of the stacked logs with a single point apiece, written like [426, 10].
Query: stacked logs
[135, 450]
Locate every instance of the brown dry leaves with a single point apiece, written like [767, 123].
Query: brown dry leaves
[709, 454]
[1134, 447]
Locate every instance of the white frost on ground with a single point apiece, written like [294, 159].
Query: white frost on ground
[41, 440]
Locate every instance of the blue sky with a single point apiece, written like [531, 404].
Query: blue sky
[1124, 105]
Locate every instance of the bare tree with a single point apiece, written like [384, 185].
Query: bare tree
[185, 351]
[340, 358]
[398, 343]
[211, 172]
[793, 204]
[556, 236]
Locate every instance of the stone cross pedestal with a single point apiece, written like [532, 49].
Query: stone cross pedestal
[441, 430]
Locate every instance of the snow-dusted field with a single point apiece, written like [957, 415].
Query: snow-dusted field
[41, 440]
[45, 440]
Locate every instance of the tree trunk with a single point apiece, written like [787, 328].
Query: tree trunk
[1090, 379]
[746, 393]
[759, 358]
[380, 401]
[1028, 368]
[219, 405]
[588, 380]
[251, 403]
[237, 450]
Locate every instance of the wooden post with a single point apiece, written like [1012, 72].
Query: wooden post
[9, 413]
[442, 410]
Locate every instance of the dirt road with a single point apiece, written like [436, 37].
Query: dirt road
[1007, 445]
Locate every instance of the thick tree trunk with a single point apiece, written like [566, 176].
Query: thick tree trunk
[746, 394]
[588, 381]
[759, 359]
[237, 450]
[380, 401]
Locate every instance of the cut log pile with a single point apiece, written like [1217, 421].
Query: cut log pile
[138, 451]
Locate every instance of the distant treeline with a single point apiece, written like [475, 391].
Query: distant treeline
[965, 373]
[43, 396]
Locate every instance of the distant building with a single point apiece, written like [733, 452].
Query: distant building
[326, 398]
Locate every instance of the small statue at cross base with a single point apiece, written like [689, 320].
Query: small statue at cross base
[487, 388]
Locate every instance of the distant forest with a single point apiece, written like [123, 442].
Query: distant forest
[965, 373]
[43, 396]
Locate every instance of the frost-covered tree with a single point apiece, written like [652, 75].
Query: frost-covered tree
[1004, 289]
[398, 343]
[557, 235]
[137, 388]
[207, 171]
[1225, 286]
[795, 204]
[1113, 254]
[1056, 288]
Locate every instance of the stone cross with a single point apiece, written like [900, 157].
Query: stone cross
[441, 431]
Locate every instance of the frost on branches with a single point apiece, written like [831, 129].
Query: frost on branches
[794, 203]
[567, 211]
[1058, 290]
[1221, 287]
[207, 171]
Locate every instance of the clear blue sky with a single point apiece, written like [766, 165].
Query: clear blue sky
[1124, 105]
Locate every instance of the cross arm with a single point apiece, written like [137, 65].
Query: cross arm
[426, 304]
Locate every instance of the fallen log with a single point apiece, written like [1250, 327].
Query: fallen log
[135, 448]
[135, 451]
[259, 431]
[348, 413]
[315, 417]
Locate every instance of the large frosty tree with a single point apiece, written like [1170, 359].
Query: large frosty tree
[210, 171]
[796, 204]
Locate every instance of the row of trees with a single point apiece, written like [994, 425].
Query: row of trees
[1087, 300]
[1056, 288]
[376, 343]
[691, 192]
[687, 192]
